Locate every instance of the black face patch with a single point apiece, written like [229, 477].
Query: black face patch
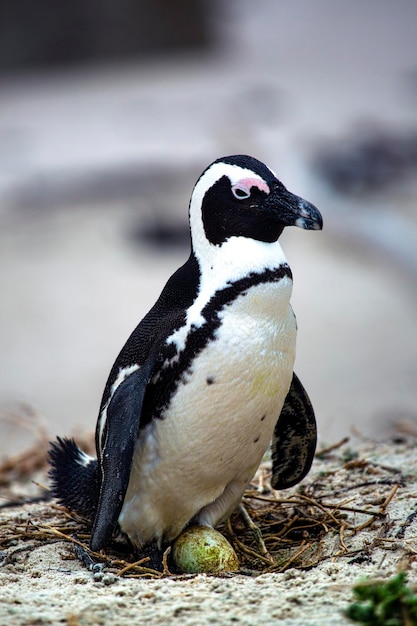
[225, 216]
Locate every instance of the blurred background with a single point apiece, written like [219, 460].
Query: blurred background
[109, 111]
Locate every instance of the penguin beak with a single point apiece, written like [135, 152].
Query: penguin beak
[291, 210]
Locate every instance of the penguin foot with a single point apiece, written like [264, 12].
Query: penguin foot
[155, 556]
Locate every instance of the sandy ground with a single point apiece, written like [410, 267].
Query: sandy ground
[370, 488]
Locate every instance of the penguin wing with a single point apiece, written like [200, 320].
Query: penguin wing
[122, 425]
[294, 439]
[116, 438]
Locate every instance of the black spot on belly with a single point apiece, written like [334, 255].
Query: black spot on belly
[256, 439]
[263, 417]
[210, 380]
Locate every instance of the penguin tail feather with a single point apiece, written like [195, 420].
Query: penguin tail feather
[74, 475]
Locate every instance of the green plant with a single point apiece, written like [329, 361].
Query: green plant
[389, 603]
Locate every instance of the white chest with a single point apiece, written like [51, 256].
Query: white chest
[220, 421]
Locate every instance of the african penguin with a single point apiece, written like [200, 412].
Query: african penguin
[205, 382]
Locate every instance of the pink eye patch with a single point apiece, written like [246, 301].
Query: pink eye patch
[245, 184]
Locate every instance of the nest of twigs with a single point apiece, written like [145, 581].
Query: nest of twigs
[271, 532]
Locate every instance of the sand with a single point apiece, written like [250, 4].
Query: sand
[371, 487]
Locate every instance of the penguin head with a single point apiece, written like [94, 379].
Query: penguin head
[238, 196]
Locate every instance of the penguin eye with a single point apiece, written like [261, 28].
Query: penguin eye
[240, 193]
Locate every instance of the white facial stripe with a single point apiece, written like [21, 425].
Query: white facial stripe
[217, 171]
[234, 172]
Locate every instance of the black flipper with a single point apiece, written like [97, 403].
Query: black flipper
[122, 426]
[295, 438]
[74, 477]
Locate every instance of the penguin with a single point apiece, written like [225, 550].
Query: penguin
[205, 382]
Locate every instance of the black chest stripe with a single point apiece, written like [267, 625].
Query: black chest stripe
[159, 393]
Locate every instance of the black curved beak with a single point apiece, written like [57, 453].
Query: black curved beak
[291, 210]
[309, 216]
